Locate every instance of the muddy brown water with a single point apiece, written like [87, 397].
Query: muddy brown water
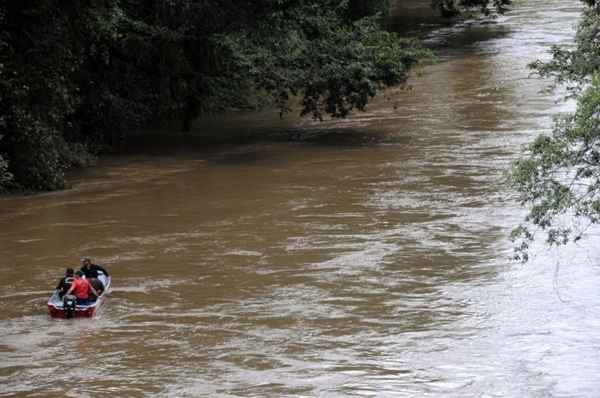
[367, 258]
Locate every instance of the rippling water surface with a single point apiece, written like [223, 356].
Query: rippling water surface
[367, 258]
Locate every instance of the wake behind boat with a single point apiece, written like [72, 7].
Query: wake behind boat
[67, 308]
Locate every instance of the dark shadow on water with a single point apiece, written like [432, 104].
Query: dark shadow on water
[261, 146]
[346, 137]
[467, 35]
[175, 142]
[248, 155]
[414, 18]
[417, 18]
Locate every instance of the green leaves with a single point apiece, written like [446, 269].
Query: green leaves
[5, 176]
[559, 177]
[76, 76]
[335, 66]
[575, 67]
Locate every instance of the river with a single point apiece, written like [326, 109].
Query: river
[367, 258]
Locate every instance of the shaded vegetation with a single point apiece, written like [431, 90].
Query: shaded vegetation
[559, 177]
[74, 76]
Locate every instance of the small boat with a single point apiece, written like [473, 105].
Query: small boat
[59, 309]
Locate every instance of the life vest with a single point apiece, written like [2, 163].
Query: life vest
[82, 288]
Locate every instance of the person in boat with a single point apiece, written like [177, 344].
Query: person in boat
[97, 284]
[91, 270]
[65, 283]
[81, 289]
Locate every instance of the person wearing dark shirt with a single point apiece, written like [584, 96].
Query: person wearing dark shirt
[65, 283]
[91, 270]
[97, 284]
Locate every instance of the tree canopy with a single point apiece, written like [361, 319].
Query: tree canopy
[74, 76]
[559, 176]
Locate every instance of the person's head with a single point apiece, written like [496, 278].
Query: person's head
[78, 274]
[69, 272]
[86, 261]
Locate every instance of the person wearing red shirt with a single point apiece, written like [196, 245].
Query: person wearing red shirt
[81, 289]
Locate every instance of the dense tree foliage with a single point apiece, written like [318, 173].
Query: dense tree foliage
[74, 75]
[559, 178]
